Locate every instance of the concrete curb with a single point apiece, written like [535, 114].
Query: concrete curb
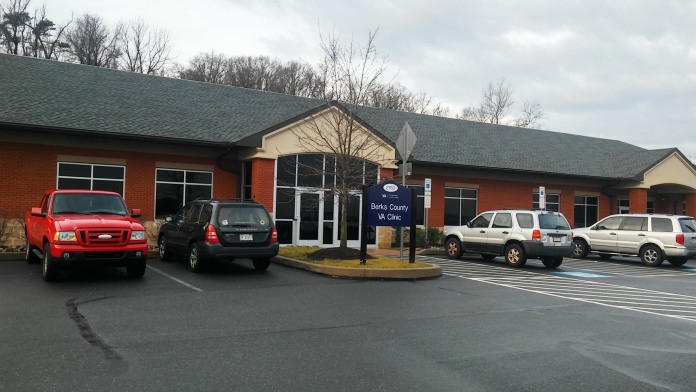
[433, 271]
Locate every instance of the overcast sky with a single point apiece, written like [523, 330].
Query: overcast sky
[616, 69]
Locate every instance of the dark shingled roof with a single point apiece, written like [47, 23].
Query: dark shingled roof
[51, 94]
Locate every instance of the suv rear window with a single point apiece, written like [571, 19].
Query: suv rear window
[526, 221]
[243, 216]
[553, 221]
[688, 225]
[662, 224]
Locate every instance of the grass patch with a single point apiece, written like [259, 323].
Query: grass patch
[301, 253]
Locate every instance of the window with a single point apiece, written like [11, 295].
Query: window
[661, 224]
[174, 188]
[246, 181]
[526, 221]
[317, 172]
[419, 208]
[482, 221]
[503, 220]
[585, 212]
[553, 201]
[635, 223]
[623, 206]
[553, 222]
[460, 205]
[611, 223]
[92, 177]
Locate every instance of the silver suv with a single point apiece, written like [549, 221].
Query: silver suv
[653, 237]
[516, 234]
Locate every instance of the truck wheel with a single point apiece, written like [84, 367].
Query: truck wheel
[261, 264]
[164, 253]
[50, 270]
[29, 254]
[552, 262]
[453, 247]
[514, 256]
[651, 255]
[136, 269]
[678, 261]
[580, 248]
[194, 258]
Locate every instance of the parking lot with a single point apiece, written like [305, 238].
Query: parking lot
[588, 325]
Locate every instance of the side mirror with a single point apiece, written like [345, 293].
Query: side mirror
[135, 213]
[36, 211]
[468, 224]
[168, 219]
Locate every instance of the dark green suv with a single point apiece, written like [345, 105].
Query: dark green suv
[208, 230]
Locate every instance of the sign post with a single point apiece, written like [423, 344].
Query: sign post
[426, 202]
[542, 198]
[404, 145]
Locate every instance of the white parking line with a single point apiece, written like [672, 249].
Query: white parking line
[175, 279]
[615, 296]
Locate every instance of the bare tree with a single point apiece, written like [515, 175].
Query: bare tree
[143, 49]
[92, 42]
[46, 38]
[349, 74]
[205, 67]
[13, 25]
[496, 104]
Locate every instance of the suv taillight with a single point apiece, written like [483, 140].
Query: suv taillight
[274, 235]
[536, 235]
[680, 239]
[211, 234]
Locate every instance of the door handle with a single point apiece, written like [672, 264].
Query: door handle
[641, 235]
[482, 231]
[506, 232]
[612, 233]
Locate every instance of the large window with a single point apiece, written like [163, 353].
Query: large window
[174, 188]
[460, 205]
[315, 172]
[586, 209]
[553, 201]
[91, 176]
[419, 209]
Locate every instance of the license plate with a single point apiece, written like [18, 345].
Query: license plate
[556, 239]
[246, 237]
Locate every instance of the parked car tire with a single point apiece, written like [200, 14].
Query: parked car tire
[194, 258]
[515, 256]
[164, 253]
[580, 248]
[29, 255]
[487, 257]
[49, 269]
[651, 255]
[678, 261]
[136, 269]
[552, 262]
[453, 248]
[261, 264]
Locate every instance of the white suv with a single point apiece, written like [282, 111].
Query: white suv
[517, 234]
[653, 237]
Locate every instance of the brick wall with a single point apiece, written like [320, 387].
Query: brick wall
[263, 181]
[29, 170]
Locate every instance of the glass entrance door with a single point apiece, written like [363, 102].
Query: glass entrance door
[308, 220]
[353, 222]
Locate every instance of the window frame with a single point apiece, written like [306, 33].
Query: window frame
[184, 184]
[92, 178]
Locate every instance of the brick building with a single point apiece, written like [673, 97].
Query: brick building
[162, 142]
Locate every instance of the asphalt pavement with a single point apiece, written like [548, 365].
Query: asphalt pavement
[480, 327]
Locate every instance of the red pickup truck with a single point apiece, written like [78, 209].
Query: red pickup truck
[78, 227]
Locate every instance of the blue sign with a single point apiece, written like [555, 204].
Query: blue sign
[389, 204]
